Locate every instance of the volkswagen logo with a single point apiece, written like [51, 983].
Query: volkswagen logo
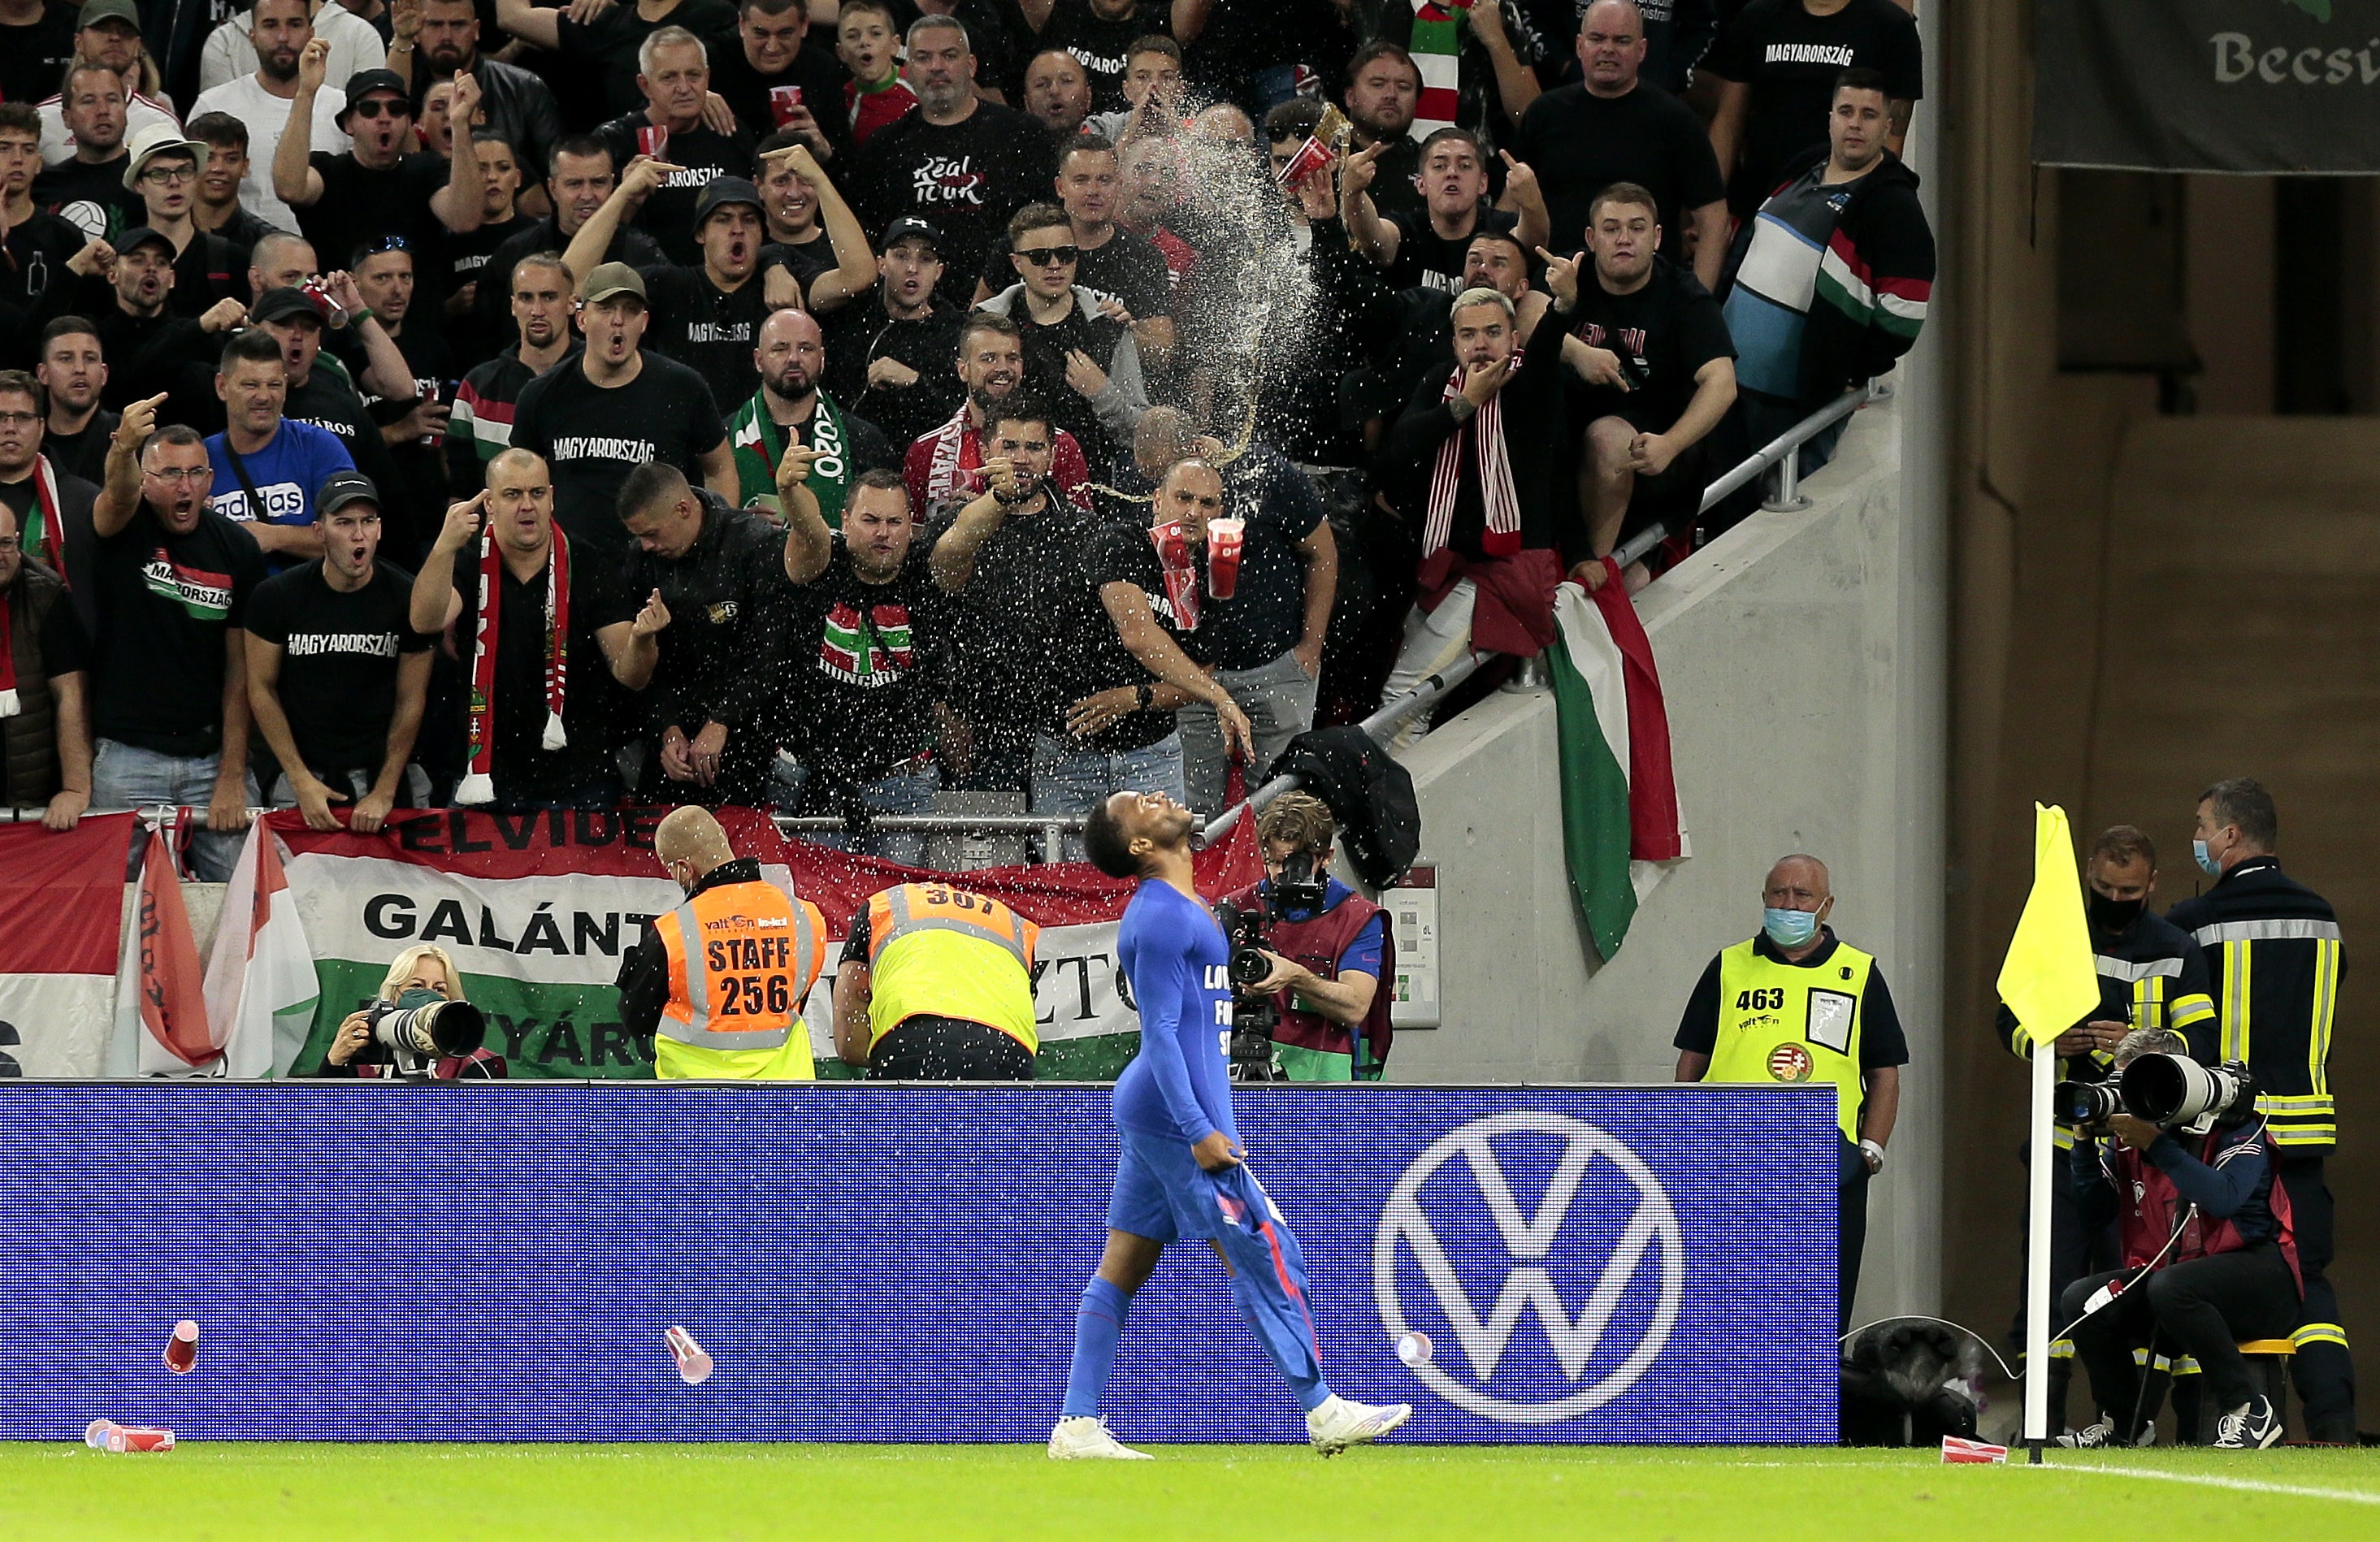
[1539, 1276]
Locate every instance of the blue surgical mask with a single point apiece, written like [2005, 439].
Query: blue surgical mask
[2206, 863]
[1789, 928]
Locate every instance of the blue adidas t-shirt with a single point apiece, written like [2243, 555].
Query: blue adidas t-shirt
[1175, 955]
[286, 474]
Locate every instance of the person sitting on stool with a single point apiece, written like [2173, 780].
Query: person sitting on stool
[936, 985]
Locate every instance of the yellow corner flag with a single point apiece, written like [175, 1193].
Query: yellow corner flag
[2049, 980]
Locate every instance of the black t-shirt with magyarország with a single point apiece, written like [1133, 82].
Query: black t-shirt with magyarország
[163, 605]
[339, 659]
[1099, 44]
[700, 156]
[709, 329]
[854, 669]
[1791, 60]
[592, 436]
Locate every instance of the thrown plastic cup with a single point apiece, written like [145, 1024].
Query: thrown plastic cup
[693, 1364]
[182, 1349]
[1226, 539]
[1415, 1348]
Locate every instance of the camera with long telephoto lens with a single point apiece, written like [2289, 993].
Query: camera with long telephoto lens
[1300, 887]
[2172, 1092]
[417, 1028]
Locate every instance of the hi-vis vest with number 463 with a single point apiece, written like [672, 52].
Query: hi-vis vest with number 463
[742, 957]
[939, 952]
[1785, 1022]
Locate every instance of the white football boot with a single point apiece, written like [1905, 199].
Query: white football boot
[1087, 1440]
[1336, 1424]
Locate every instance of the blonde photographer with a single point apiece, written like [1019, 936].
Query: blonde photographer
[425, 966]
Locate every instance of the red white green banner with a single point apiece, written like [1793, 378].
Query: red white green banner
[61, 904]
[538, 911]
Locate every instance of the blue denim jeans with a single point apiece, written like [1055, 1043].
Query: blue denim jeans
[1070, 780]
[1278, 699]
[906, 791]
[126, 776]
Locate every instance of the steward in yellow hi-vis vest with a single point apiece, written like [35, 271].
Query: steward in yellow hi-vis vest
[936, 984]
[719, 981]
[1796, 1006]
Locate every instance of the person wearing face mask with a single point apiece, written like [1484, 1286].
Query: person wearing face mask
[718, 983]
[2274, 956]
[2150, 977]
[1796, 1004]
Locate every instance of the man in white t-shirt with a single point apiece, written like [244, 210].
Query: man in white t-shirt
[278, 32]
[229, 52]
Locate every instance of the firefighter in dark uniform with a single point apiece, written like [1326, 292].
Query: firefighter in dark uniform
[2149, 977]
[1796, 1004]
[2274, 957]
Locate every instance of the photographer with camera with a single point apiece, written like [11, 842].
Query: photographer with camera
[411, 1031]
[1308, 954]
[2177, 1155]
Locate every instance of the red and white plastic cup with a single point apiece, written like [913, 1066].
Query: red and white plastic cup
[693, 1364]
[1225, 540]
[108, 1436]
[654, 141]
[182, 1349]
[783, 102]
[1173, 545]
[1311, 157]
[1956, 1450]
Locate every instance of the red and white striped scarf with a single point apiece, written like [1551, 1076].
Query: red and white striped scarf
[957, 449]
[479, 783]
[1485, 429]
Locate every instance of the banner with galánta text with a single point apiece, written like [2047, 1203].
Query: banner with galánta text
[2272, 86]
[538, 911]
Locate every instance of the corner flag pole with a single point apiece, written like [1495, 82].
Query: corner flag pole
[2050, 982]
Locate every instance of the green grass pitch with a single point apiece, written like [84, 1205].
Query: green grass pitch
[722, 1493]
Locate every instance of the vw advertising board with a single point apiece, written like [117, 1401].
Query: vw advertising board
[899, 1263]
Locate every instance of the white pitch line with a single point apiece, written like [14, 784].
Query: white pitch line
[2246, 1486]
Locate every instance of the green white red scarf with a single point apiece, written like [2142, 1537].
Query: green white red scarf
[1437, 50]
[757, 441]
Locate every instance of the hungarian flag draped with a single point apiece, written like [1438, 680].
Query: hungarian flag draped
[61, 902]
[161, 1011]
[538, 911]
[1621, 825]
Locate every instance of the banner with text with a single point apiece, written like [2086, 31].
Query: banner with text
[2209, 85]
[539, 909]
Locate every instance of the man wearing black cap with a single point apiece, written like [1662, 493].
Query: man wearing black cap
[125, 290]
[707, 317]
[325, 396]
[595, 420]
[888, 349]
[336, 674]
[676, 77]
[375, 189]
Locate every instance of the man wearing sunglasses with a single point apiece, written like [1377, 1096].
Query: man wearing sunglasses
[1079, 349]
[376, 187]
[163, 172]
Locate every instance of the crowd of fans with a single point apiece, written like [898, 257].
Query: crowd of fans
[830, 405]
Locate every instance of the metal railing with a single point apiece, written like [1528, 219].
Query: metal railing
[1382, 725]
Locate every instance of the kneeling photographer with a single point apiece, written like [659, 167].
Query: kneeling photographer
[1307, 957]
[419, 1029]
[2176, 1153]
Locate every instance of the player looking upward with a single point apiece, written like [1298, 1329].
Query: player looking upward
[1183, 1174]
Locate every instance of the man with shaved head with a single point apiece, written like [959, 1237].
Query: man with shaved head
[1795, 1004]
[792, 407]
[719, 982]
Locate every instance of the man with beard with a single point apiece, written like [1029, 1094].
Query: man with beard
[51, 509]
[1152, 190]
[854, 679]
[791, 408]
[705, 317]
[676, 79]
[1383, 92]
[824, 247]
[162, 169]
[964, 164]
[216, 206]
[1079, 357]
[87, 188]
[37, 243]
[107, 32]
[482, 426]
[581, 178]
[711, 575]
[171, 581]
[1410, 333]
[126, 294]
[73, 371]
[381, 184]
[273, 466]
[890, 348]
[776, 57]
[1057, 94]
[411, 425]
[947, 462]
[616, 409]
[336, 674]
[231, 50]
[279, 30]
[438, 40]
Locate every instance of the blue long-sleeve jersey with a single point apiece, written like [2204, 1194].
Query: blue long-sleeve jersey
[1176, 959]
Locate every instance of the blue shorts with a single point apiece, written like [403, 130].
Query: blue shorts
[1162, 1194]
